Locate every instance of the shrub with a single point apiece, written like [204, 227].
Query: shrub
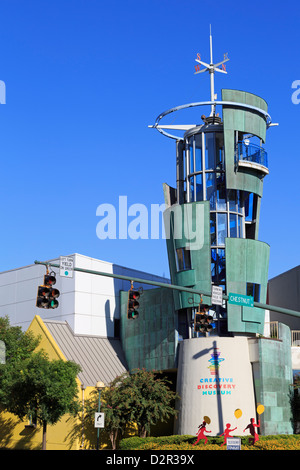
[176, 442]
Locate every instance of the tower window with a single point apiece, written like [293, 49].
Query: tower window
[183, 259]
[254, 291]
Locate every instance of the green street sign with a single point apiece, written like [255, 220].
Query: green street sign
[239, 299]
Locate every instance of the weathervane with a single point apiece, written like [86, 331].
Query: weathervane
[211, 68]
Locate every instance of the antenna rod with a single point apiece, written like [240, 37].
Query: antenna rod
[211, 73]
[210, 42]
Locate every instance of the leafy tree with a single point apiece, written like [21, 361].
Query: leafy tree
[150, 399]
[115, 405]
[33, 386]
[42, 389]
[19, 344]
[138, 398]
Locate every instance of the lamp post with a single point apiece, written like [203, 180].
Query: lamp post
[99, 387]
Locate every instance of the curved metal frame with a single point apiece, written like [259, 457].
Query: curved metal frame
[204, 103]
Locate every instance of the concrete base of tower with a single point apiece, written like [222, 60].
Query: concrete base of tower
[214, 381]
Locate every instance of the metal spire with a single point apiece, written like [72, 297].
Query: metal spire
[211, 68]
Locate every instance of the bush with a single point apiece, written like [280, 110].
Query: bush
[134, 443]
[278, 442]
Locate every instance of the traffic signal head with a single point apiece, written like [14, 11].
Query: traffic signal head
[47, 295]
[133, 304]
[49, 280]
[203, 322]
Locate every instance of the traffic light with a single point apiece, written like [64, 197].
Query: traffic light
[133, 304]
[202, 321]
[47, 295]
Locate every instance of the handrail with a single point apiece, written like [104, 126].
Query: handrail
[251, 153]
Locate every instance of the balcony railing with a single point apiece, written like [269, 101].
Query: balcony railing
[271, 330]
[251, 155]
[295, 338]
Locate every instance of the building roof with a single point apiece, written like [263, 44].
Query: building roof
[101, 359]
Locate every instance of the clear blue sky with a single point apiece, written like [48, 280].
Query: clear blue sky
[84, 79]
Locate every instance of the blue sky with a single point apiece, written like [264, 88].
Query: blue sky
[85, 78]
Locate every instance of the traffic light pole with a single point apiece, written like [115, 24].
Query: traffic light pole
[285, 311]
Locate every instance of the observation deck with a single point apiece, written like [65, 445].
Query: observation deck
[251, 156]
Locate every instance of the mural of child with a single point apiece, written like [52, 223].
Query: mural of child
[226, 433]
[200, 433]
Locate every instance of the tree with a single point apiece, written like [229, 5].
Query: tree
[42, 389]
[138, 398]
[150, 399]
[115, 406]
[19, 344]
[30, 384]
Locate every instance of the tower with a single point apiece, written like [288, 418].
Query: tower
[212, 216]
[212, 225]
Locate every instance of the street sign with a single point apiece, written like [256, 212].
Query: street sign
[239, 299]
[233, 443]
[99, 420]
[216, 295]
[66, 266]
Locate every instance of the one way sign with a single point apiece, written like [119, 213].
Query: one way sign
[99, 420]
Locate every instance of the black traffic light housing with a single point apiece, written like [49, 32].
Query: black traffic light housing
[203, 321]
[47, 295]
[133, 304]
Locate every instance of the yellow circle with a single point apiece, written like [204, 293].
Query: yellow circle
[260, 409]
[238, 413]
[206, 419]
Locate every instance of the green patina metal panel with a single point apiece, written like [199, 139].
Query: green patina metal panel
[188, 226]
[150, 340]
[243, 120]
[272, 381]
[246, 261]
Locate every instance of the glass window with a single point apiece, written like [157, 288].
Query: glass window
[211, 189]
[219, 151]
[191, 156]
[214, 265]
[198, 141]
[222, 228]
[221, 265]
[210, 163]
[240, 229]
[213, 237]
[233, 225]
[199, 188]
[232, 201]
[253, 290]
[192, 188]
[249, 208]
[183, 259]
[218, 265]
[221, 193]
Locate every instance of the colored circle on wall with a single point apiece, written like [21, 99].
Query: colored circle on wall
[206, 419]
[238, 413]
[260, 409]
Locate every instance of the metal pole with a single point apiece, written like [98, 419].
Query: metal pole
[285, 311]
[99, 405]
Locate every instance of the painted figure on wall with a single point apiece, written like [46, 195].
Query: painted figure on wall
[200, 433]
[251, 426]
[226, 433]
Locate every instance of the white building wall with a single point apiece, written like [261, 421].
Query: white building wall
[88, 302]
[215, 392]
